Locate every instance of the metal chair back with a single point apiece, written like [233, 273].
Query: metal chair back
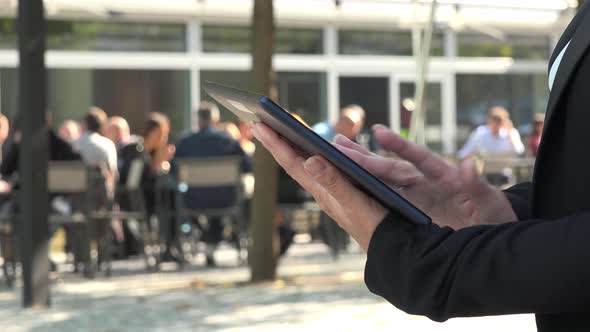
[209, 172]
[68, 177]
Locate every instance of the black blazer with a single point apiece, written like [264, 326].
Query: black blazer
[540, 264]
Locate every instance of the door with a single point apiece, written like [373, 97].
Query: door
[439, 121]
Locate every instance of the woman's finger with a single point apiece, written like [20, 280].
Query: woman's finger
[396, 173]
[343, 141]
[426, 161]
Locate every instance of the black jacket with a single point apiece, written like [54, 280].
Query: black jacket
[540, 264]
[59, 150]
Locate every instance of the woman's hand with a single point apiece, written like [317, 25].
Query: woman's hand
[452, 196]
[353, 210]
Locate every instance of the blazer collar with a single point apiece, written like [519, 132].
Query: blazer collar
[573, 55]
[575, 52]
[566, 36]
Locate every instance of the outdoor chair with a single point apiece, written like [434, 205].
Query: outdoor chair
[89, 221]
[86, 226]
[132, 210]
[505, 172]
[215, 172]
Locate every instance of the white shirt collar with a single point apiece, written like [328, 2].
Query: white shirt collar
[555, 66]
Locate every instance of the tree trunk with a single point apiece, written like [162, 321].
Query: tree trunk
[263, 255]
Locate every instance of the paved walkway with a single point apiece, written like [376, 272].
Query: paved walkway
[315, 294]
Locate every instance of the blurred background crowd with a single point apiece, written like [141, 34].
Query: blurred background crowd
[112, 148]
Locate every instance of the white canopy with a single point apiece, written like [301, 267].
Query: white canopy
[532, 14]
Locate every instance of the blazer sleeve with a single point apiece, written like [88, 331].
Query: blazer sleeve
[520, 197]
[532, 266]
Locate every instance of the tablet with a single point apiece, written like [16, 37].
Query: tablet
[252, 107]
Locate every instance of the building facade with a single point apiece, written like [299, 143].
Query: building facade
[131, 58]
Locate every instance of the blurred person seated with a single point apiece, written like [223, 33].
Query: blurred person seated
[209, 141]
[100, 153]
[498, 138]
[128, 149]
[246, 139]
[357, 114]
[70, 131]
[155, 151]
[328, 130]
[95, 149]
[153, 148]
[59, 150]
[345, 126]
[535, 138]
[118, 131]
[4, 132]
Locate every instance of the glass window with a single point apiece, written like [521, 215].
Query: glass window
[358, 42]
[371, 93]
[304, 94]
[532, 47]
[237, 39]
[299, 41]
[300, 93]
[131, 94]
[9, 93]
[104, 36]
[522, 94]
[226, 39]
[8, 33]
[437, 46]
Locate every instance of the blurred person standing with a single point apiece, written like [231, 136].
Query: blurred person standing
[535, 138]
[498, 138]
[209, 141]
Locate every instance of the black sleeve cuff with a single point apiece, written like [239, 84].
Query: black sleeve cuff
[393, 231]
